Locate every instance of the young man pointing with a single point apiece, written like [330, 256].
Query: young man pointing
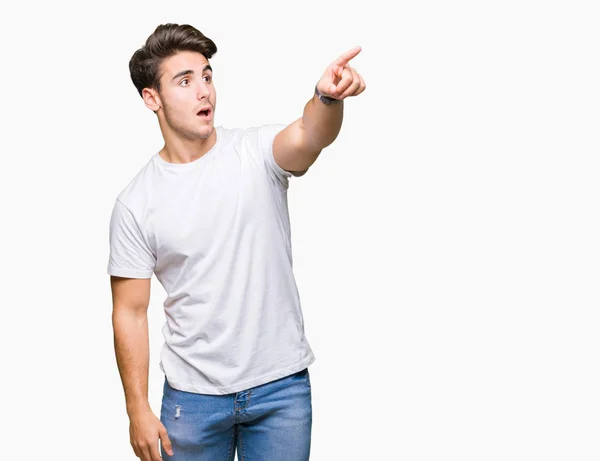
[208, 215]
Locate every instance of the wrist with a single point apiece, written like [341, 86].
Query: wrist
[325, 99]
[137, 408]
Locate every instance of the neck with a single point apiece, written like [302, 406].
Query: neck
[182, 150]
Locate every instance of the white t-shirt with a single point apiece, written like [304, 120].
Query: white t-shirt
[216, 233]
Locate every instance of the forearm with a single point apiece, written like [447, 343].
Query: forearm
[321, 122]
[132, 353]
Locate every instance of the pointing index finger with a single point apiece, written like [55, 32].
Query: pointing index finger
[347, 56]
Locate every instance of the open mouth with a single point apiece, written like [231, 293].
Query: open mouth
[205, 113]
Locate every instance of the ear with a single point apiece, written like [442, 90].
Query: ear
[151, 99]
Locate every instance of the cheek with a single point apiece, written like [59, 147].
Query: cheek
[180, 105]
[179, 100]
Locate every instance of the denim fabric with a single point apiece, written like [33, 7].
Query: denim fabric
[270, 422]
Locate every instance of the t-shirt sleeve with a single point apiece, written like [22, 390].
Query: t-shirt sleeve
[130, 255]
[266, 136]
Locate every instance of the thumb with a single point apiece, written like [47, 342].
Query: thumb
[165, 442]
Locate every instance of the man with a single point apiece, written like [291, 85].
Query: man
[208, 215]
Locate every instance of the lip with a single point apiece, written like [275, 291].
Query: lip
[208, 116]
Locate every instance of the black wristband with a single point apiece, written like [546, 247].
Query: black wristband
[325, 99]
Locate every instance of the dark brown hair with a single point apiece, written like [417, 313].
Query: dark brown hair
[165, 41]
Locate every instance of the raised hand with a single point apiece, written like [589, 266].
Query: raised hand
[339, 80]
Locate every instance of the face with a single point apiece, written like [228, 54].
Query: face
[187, 98]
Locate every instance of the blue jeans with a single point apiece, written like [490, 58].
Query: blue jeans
[270, 422]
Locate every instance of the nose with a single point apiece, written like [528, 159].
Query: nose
[203, 91]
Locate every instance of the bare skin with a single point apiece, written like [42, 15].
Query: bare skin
[130, 323]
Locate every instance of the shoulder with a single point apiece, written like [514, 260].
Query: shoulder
[266, 130]
[261, 137]
[228, 134]
[139, 188]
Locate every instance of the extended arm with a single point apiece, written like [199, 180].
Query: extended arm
[297, 146]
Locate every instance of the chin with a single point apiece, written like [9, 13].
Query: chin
[206, 131]
[199, 132]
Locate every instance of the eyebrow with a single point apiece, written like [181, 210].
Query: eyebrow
[190, 72]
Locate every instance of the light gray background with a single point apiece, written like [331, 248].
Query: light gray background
[446, 246]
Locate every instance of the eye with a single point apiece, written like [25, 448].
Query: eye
[208, 77]
[185, 82]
